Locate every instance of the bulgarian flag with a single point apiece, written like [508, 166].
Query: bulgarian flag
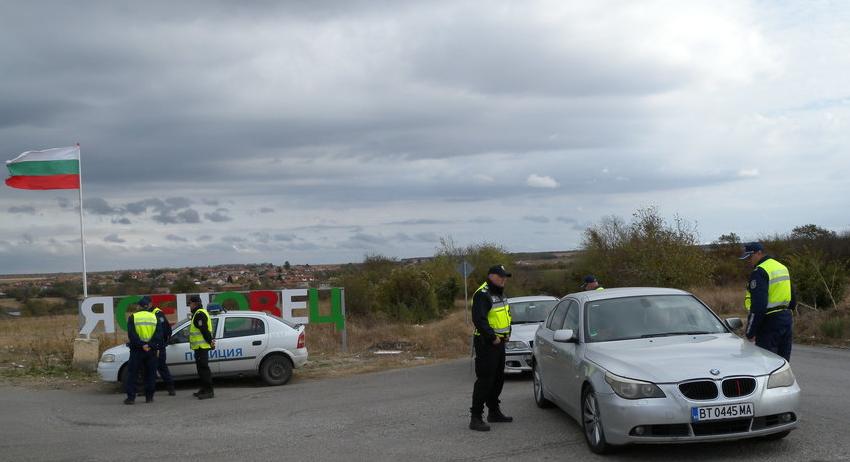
[57, 168]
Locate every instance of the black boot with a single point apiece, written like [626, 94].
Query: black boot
[195, 394]
[149, 399]
[171, 391]
[495, 415]
[206, 395]
[129, 401]
[477, 424]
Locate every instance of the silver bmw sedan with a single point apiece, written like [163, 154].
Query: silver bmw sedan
[649, 365]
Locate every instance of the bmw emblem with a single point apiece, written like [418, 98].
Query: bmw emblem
[715, 371]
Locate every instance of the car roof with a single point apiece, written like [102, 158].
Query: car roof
[532, 298]
[621, 292]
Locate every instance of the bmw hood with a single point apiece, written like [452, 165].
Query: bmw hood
[674, 359]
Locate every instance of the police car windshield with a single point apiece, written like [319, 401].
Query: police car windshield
[531, 312]
[649, 316]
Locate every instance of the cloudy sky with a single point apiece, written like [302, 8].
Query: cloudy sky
[318, 132]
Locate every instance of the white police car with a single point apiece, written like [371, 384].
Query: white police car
[247, 343]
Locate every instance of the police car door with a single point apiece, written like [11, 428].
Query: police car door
[243, 340]
[181, 360]
[548, 360]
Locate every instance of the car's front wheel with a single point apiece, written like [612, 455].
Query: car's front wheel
[539, 394]
[592, 423]
[276, 370]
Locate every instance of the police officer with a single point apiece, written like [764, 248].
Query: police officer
[590, 283]
[769, 301]
[201, 341]
[162, 365]
[492, 319]
[145, 335]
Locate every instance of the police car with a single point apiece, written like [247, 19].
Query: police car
[247, 343]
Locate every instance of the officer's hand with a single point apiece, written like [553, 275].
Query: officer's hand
[146, 347]
[212, 344]
[497, 341]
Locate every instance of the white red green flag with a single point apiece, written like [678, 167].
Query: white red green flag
[57, 168]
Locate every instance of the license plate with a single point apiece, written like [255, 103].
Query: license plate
[727, 411]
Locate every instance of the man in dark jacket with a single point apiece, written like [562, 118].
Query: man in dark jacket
[162, 360]
[492, 320]
[145, 335]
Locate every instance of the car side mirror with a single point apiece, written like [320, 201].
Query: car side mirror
[734, 323]
[565, 336]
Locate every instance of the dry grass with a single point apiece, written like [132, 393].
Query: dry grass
[43, 347]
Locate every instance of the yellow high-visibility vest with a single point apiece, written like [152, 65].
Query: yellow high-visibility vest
[145, 324]
[779, 287]
[499, 316]
[196, 339]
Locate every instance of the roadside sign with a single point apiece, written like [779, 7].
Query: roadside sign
[465, 269]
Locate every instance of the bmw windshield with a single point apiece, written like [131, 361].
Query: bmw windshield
[647, 317]
[531, 312]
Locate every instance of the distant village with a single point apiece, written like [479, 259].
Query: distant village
[49, 293]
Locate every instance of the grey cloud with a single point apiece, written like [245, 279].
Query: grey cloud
[176, 238]
[63, 202]
[536, 218]
[418, 221]
[284, 237]
[114, 238]
[205, 238]
[211, 202]
[99, 206]
[233, 239]
[183, 216]
[266, 210]
[219, 216]
[482, 220]
[121, 221]
[25, 209]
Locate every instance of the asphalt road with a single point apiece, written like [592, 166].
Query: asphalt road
[412, 414]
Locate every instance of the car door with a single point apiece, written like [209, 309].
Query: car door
[181, 360]
[568, 359]
[547, 351]
[243, 340]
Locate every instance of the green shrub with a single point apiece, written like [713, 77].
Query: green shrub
[408, 295]
[646, 252]
[818, 282]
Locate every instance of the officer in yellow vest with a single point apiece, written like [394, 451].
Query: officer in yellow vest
[201, 341]
[769, 301]
[162, 359]
[145, 335]
[492, 319]
[591, 283]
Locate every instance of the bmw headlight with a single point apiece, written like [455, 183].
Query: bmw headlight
[633, 389]
[516, 345]
[782, 377]
[107, 358]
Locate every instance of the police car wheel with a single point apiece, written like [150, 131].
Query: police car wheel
[276, 370]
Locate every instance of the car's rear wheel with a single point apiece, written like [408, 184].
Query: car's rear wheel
[591, 422]
[276, 370]
[539, 394]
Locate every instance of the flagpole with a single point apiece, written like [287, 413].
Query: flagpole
[82, 229]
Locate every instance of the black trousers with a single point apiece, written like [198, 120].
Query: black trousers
[147, 361]
[162, 368]
[489, 373]
[202, 363]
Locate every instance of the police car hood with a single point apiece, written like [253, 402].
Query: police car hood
[523, 332]
[683, 357]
